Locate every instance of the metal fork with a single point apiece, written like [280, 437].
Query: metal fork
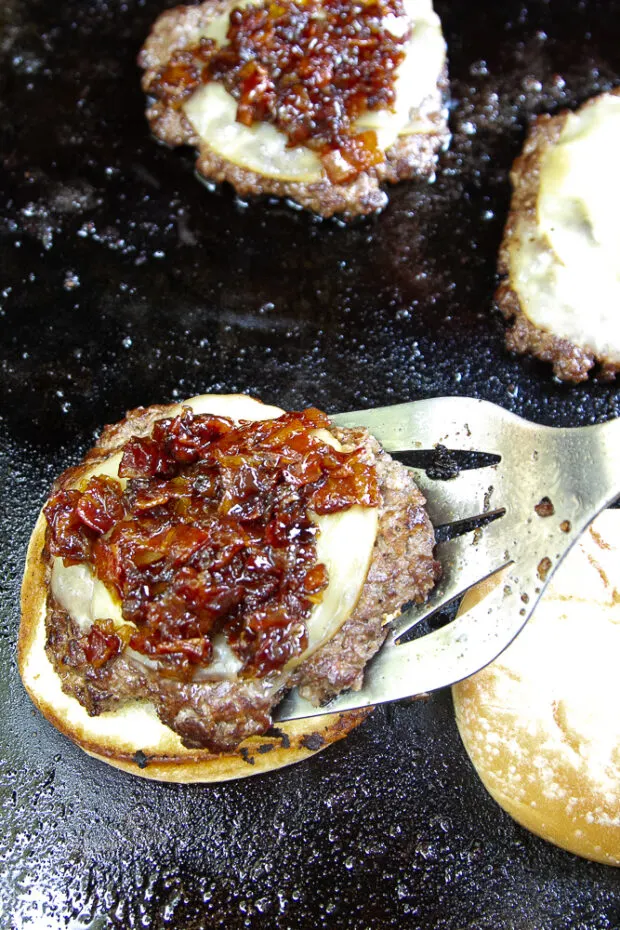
[541, 486]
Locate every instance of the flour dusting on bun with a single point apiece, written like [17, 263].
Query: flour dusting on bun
[541, 723]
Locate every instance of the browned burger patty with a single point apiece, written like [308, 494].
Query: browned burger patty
[572, 358]
[219, 715]
[410, 155]
[402, 570]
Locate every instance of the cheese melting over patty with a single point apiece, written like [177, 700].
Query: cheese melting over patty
[345, 545]
[263, 149]
[566, 271]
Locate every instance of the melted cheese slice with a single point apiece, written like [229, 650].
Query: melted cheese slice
[262, 148]
[345, 545]
[567, 276]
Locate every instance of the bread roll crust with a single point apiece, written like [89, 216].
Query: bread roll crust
[541, 724]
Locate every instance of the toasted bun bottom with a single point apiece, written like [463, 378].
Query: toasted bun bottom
[133, 738]
[542, 723]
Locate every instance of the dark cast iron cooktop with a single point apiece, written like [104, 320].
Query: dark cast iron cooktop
[123, 281]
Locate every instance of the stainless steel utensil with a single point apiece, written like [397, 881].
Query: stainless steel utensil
[538, 491]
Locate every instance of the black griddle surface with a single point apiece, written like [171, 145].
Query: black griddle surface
[124, 282]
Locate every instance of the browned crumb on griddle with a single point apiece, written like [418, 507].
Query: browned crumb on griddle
[411, 156]
[570, 362]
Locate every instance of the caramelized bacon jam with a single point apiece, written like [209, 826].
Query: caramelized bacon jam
[211, 535]
[309, 67]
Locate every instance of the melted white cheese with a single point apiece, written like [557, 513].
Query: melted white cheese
[567, 275]
[345, 545]
[76, 588]
[262, 148]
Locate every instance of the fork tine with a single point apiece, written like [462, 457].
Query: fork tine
[449, 654]
[440, 658]
[468, 495]
[465, 561]
[456, 422]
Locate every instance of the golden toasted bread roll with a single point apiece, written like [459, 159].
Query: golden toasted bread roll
[541, 724]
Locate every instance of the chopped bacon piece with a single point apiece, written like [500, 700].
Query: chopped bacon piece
[102, 643]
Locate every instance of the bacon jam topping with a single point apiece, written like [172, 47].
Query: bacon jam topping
[309, 67]
[211, 535]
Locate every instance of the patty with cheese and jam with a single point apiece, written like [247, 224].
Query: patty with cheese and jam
[205, 558]
[561, 249]
[317, 101]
